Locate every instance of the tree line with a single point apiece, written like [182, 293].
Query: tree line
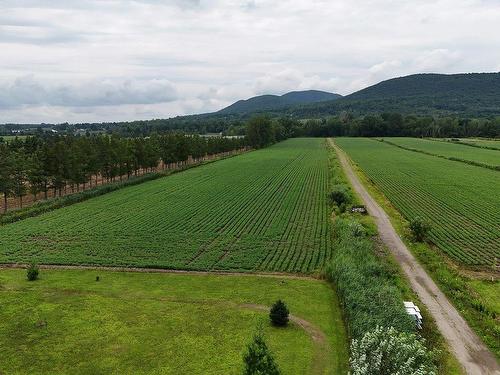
[38, 164]
[343, 124]
[398, 125]
[386, 125]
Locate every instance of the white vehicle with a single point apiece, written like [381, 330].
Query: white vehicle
[414, 312]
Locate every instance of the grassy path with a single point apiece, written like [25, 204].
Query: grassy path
[470, 351]
[320, 341]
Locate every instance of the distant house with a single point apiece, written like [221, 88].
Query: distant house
[414, 312]
[49, 130]
[215, 135]
[211, 135]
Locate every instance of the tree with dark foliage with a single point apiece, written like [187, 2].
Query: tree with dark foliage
[279, 314]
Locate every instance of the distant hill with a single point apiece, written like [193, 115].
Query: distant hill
[274, 102]
[472, 94]
[464, 95]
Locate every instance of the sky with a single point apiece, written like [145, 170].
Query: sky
[110, 60]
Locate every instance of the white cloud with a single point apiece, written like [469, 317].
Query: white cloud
[156, 58]
[29, 91]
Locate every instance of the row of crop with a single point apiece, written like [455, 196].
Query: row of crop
[304, 219]
[409, 211]
[250, 216]
[266, 211]
[453, 230]
[453, 158]
[456, 228]
[477, 144]
[459, 202]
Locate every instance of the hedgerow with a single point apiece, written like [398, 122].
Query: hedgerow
[51, 204]
[366, 286]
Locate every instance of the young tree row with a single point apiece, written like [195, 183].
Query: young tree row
[37, 164]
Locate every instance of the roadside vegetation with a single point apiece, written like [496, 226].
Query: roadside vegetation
[143, 323]
[473, 291]
[371, 290]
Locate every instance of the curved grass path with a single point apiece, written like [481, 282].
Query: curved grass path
[163, 323]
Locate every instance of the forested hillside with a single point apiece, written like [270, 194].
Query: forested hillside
[275, 102]
[474, 94]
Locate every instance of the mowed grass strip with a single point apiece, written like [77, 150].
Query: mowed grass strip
[450, 150]
[461, 201]
[265, 210]
[150, 323]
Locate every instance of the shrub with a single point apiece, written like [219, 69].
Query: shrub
[258, 358]
[340, 195]
[387, 351]
[419, 228]
[279, 314]
[366, 287]
[357, 229]
[32, 272]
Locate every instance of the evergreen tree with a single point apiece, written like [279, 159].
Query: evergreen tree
[258, 358]
[279, 314]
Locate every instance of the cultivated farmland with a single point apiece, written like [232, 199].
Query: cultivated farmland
[265, 210]
[482, 156]
[460, 200]
[145, 323]
[494, 144]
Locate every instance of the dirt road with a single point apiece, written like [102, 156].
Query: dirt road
[470, 351]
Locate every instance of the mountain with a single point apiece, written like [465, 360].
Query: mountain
[274, 102]
[472, 94]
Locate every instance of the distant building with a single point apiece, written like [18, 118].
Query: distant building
[215, 135]
[49, 130]
[414, 312]
[211, 135]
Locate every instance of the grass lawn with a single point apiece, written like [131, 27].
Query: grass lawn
[155, 323]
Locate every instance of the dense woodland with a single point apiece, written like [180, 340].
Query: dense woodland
[384, 125]
[36, 164]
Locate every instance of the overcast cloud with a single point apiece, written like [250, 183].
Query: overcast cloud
[109, 60]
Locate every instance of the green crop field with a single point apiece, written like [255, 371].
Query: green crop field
[12, 137]
[450, 150]
[140, 323]
[460, 200]
[264, 210]
[482, 142]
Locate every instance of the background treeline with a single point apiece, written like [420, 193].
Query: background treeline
[344, 124]
[36, 164]
[397, 125]
[263, 130]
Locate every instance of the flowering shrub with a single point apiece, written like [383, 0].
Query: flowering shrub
[387, 351]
